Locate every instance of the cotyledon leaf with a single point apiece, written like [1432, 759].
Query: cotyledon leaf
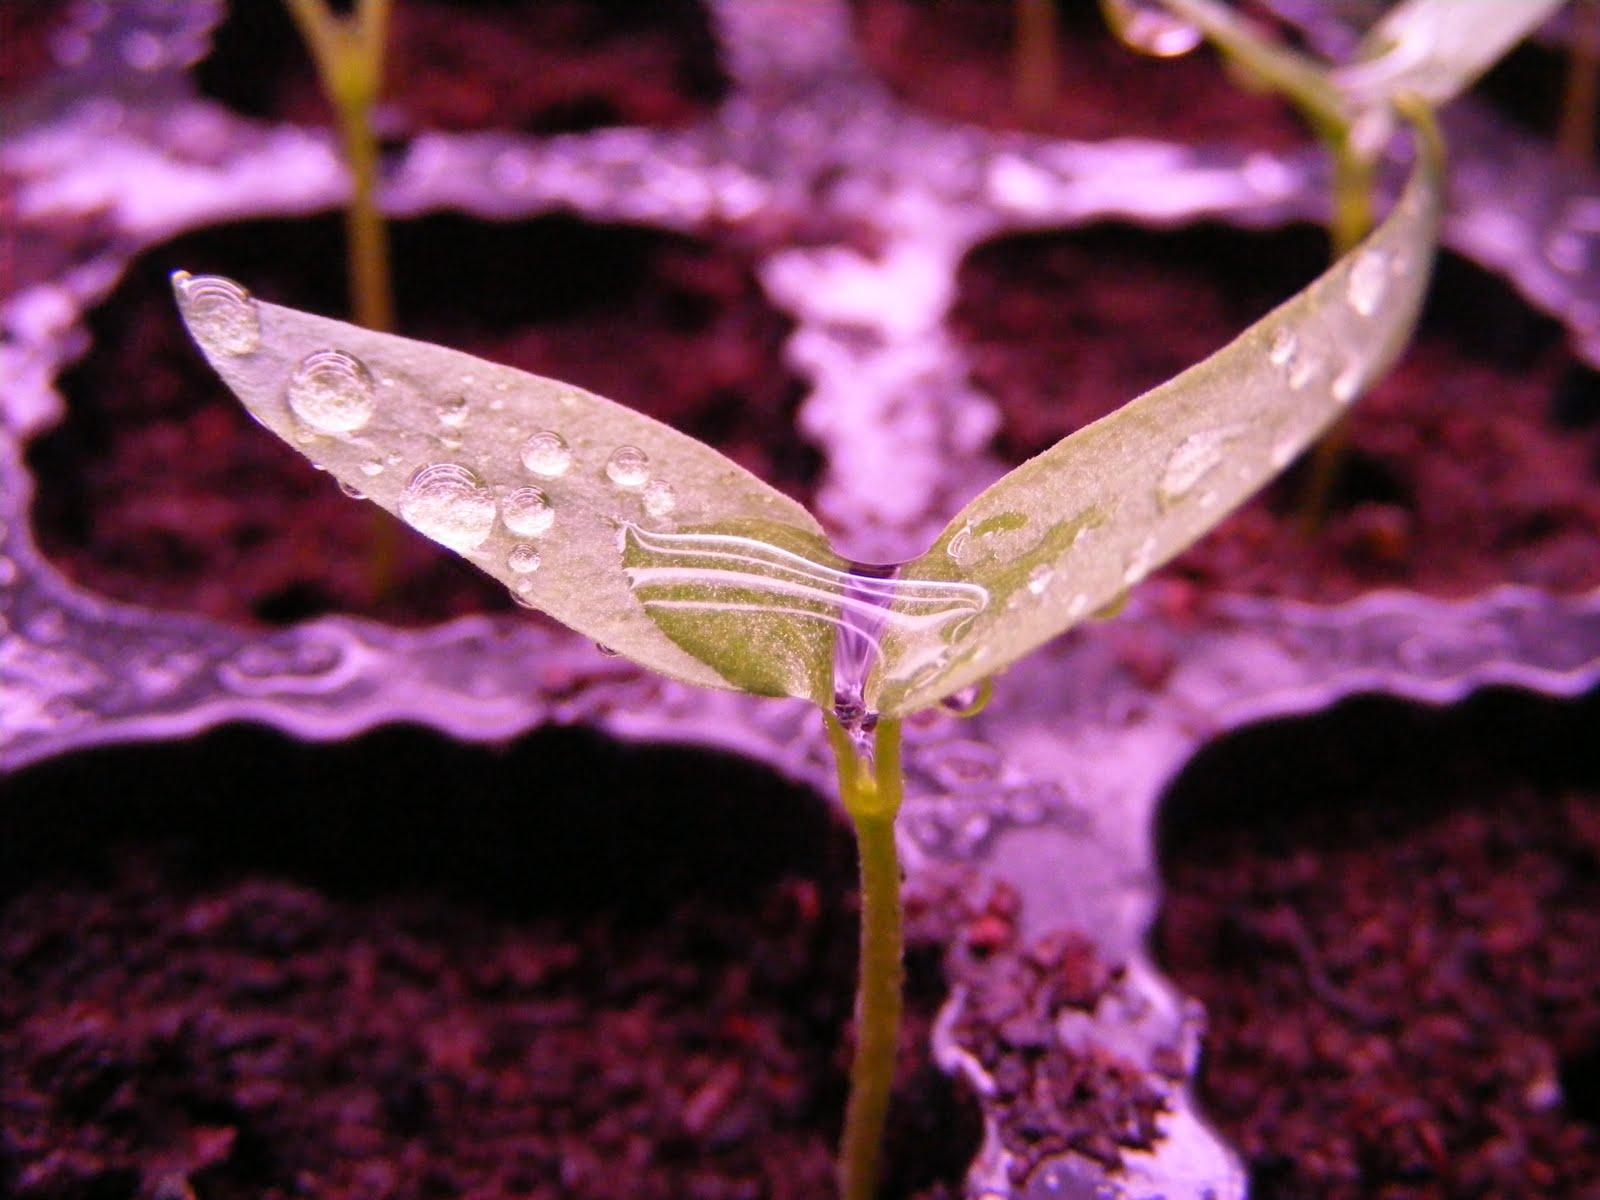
[620, 527]
[1069, 531]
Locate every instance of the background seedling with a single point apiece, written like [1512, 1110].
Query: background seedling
[1430, 49]
[348, 52]
[656, 545]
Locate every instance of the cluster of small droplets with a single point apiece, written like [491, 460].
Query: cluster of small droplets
[332, 392]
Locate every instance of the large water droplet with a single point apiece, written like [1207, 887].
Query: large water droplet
[524, 558]
[1369, 276]
[527, 512]
[449, 504]
[332, 392]
[628, 467]
[547, 454]
[1148, 27]
[222, 314]
[660, 498]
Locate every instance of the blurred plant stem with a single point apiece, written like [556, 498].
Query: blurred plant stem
[348, 53]
[1034, 65]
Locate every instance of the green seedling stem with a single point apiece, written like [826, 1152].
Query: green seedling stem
[348, 53]
[1354, 180]
[871, 787]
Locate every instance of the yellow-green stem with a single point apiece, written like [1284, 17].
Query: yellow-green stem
[871, 786]
[348, 53]
[1354, 178]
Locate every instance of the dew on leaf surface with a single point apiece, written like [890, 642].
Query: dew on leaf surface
[1193, 459]
[660, 498]
[1365, 284]
[628, 468]
[448, 503]
[1281, 350]
[524, 558]
[221, 313]
[332, 392]
[1039, 579]
[372, 468]
[522, 593]
[547, 454]
[452, 412]
[351, 490]
[527, 512]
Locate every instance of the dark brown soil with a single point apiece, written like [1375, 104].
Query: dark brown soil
[402, 968]
[1392, 916]
[956, 58]
[552, 67]
[159, 489]
[1476, 462]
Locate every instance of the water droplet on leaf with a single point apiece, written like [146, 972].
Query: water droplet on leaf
[449, 504]
[1365, 284]
[1193, 459]
[1281, 350]
[527, 512]
[452, 412]
[524, 558]
[660, 498]
[1039, 579]
[351, 490]
[372, 468]
[221, 313]
[628, 467]
[547, 454]
[332, 392]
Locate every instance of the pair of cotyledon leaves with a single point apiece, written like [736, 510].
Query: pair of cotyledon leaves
[658, 546]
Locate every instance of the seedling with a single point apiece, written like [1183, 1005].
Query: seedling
[656, 545]
[1432, 49]
[348, 54]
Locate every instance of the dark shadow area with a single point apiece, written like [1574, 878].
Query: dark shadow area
[564, 821]
[561, 966]
[1389, 909]
[555, 66]
[158, 489]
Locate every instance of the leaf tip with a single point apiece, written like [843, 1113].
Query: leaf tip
[222, 316]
